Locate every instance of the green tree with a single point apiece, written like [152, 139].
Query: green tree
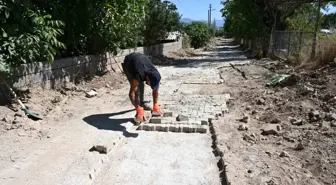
[304, 18]
[247, 18]
[329, 21]
[161, 18]
[122, 25]
[199, 33]
[27, 36]
[97, 26]
[255, 18]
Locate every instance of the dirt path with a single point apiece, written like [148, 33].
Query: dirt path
[295, 149]
[136, 157]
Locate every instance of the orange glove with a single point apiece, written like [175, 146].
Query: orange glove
[140, 115]
[157, 110]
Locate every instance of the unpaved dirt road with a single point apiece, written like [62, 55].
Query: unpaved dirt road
[61, 155]
[268, 135]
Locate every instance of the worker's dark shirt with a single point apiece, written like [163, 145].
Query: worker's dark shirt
[138, 65]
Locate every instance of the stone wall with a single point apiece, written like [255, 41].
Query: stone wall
[68, 69]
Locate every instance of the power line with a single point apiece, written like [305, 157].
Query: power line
[181, 3]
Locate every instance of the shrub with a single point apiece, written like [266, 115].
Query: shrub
[220, 32]
[199, 34]
[185, 41]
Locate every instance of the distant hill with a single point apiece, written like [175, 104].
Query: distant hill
[219, 23]
[186, 20]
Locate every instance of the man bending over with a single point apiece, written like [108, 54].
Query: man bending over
[139, 69]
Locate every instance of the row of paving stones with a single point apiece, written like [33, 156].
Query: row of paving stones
[203, 129]
[194, 113]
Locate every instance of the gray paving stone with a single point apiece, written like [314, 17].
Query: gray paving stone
[156, 120]
[204, 122]
[168, 114]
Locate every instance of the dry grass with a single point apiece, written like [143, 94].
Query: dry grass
[327, 50]
[325, 53]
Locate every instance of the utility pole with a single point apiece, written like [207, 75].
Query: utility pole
[209, 14]
[209, 18]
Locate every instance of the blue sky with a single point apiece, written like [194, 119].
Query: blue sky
[198, 9]
[332, 9]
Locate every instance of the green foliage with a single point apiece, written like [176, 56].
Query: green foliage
[329, 21]
[26, 36]
[96, 26]
[220, 32]
[161, 18]
[304, 18]
[122, 25]
[255, 18]
[247, 18]
[32, 31]
[199, 34]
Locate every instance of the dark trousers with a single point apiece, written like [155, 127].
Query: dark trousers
[139, 95]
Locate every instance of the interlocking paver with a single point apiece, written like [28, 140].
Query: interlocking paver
[156, 120]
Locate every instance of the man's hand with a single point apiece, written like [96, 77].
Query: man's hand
[140, 115]
[157, 110]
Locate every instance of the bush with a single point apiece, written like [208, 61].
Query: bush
[212, 32]
[185, 41]
[220, 32]
[199, 34]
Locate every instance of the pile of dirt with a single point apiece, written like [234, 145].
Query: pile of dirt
[296, 119]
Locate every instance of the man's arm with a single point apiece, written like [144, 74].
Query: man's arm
[156, 108]
[155, 96]
[133, 89]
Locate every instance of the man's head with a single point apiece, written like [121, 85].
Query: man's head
[153, 79]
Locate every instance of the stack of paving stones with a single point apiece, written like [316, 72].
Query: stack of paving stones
[196, 111]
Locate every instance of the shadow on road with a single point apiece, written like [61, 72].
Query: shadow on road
[105, 122]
